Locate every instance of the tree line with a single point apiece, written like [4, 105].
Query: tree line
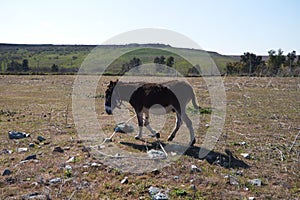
[249, 64]
[13, 67]
[276, 64]
[158, 61]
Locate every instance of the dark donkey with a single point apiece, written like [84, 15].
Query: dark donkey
[173, 96]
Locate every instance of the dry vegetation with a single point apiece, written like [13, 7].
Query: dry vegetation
[262, 112]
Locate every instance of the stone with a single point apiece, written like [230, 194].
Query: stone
[155, 171]
[156, 154]
[193, 187]
[233, 180]
[242, 143]
[55, 180]
[256, 182]
[153, 190]
[95, 164]
[35, 195]
[157, 194]
[31, 157]
[6, 151]
[58, 149]
[31, 145]
[6, 172]
[245, 155]
[86, 149]
[66, 148]
[17, 135]
[239, 173]
[160, 196]
[173, 154]
[22, 149]
[125, 180]
[72, 159]
[68, 167]
[41, 138]
[194, 168]
[123, 128]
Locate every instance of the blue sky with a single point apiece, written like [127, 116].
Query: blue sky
[228, 27]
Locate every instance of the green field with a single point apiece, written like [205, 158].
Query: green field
[69, 58]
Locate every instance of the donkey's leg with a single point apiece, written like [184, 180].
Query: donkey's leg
[147, 124]
[188, 123]
[176, 128]
[139, 116]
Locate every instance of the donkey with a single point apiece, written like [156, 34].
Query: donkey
[172, 96]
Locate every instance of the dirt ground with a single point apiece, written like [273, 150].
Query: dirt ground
[259, 142]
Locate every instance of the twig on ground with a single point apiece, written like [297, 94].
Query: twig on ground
[281, 155]
[163, 149]
[294, 142]
[73, 193]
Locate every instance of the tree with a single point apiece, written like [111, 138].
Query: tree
[298, 61]
[194, 71]
[275, 61]
[290, 61]
[25, 66]
[156, 60]
[134, 62]
[234, 67]
[54, 68]
[162, 60]
[170, 61]
[250, 62]
[14, 66]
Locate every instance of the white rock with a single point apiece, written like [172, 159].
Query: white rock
[55, 180]
[95, 164]
[22, 149]
[72, 159]
[68, 167]
[194, 168]
[125, 180]
[156, 154]
[256, 182]
[245, 155]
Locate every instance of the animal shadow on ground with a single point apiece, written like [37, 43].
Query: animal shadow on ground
[224, 160]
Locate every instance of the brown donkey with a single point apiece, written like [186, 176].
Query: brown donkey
[172, 96]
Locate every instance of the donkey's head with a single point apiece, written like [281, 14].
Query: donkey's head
[110, 102]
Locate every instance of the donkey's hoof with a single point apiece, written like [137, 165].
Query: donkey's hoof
[193, 142]
[137, 137]
[170, 139]
[157, 135]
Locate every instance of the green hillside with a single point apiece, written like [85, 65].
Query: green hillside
[69, 58]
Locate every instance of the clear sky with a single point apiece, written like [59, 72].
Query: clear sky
[225, 26]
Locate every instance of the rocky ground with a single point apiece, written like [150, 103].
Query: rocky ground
[256, 156]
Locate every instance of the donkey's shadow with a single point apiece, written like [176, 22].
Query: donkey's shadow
[224, 160]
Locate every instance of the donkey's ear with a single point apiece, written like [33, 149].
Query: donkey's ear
[117, 80]
[111, 82]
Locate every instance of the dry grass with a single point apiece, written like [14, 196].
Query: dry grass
[263, 112]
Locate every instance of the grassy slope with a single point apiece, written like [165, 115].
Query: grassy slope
[67, 56]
